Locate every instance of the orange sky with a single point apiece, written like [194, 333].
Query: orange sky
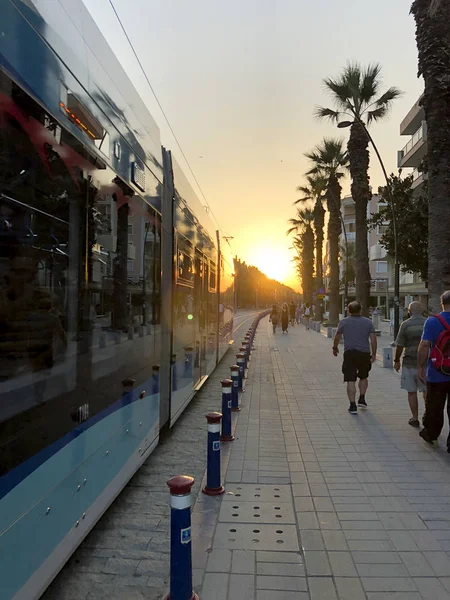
[240, 94]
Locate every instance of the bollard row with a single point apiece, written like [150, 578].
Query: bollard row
[219, 430]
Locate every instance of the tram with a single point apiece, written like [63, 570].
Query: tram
[116, 300]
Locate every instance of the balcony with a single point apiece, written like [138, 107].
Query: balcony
[412, 120]
[414, 151]
[377, 252]
[418, 180]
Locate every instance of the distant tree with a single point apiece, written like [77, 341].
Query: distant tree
[330, 159]
[304, 244]
[314, 191]
[412, 225]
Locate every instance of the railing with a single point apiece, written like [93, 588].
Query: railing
[419, 135]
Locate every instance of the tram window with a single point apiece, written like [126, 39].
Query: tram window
[212, 276]
[185, 268]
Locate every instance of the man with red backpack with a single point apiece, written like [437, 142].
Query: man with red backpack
[435, 348]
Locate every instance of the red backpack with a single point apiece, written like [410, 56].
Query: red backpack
[440, 354]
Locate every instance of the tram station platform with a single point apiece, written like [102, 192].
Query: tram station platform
[319, 504]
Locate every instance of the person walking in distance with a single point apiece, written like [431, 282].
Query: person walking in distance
[285, 317]
[307, 315]
[408, 339]
[360, 351]
[433, 365]
[274, 317]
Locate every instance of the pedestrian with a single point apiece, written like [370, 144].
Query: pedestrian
[307, 315]
[360, 351]
[408, 339]
[285, 317]
[274, 317]
[292, 310]
[434, 356]
[298, 315]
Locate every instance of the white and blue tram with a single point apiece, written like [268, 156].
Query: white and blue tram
[116, 298]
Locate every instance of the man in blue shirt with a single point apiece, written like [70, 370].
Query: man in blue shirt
[438, 384]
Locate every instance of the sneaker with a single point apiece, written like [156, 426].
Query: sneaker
[414, 422]
[362, 402]
[353, 409]
[426, 437]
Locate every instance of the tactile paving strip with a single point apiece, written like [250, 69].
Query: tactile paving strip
[256, 512]
[247, 492]
[237, 536]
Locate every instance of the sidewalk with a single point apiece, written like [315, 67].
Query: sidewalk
[320, 504]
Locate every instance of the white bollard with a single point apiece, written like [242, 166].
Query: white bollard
[387, 358]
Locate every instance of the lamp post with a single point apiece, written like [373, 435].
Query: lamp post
[343, 125]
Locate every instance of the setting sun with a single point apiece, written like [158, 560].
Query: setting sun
[273, 262]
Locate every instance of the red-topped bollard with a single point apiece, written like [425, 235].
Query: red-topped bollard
[213, 485]
[226, 435]
[180, 539]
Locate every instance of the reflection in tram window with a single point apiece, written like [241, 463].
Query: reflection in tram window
[75, 320]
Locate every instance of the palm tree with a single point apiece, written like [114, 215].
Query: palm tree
[433, 43]
[304, 244]
[331, 160]
[356, 93]
[314, 191]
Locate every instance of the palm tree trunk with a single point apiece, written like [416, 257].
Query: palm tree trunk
[433, 43]
[359, 166]
[334, 231]
[319, 223]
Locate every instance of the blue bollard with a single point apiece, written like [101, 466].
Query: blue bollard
[240, 361]
[197, 355]
[243, 350]
[180, 539]
[226, 435]
[213, 485]
[155, 379]
[188, 362]
[128, 385]
[235, 388]
[174, 373]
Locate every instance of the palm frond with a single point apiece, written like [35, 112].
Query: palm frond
[370, 83]
[377, 114]
[386, 98]
[340, 89]
[326, 113]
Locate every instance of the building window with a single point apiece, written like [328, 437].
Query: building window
[382, 266]
[381, 229]
[130, 229]
[130, 265]
[117, 150]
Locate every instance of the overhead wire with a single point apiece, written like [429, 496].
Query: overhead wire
[166, 117]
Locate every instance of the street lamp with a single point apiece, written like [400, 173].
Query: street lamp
[343, 125]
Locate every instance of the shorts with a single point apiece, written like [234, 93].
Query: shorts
[356, 365]
[410, 381]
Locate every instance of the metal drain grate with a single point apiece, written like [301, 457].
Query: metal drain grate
[246, 492]
[237, 536]
[257, 512]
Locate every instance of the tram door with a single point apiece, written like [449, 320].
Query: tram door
[200, 311]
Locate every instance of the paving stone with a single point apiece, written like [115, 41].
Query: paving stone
[219, 561]
[317, 563]
[349, 588]
[270, 582]
[241, 586]
[282, 557]
[280, 569]
[342, 564]
[243, 562]
[322, 588]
